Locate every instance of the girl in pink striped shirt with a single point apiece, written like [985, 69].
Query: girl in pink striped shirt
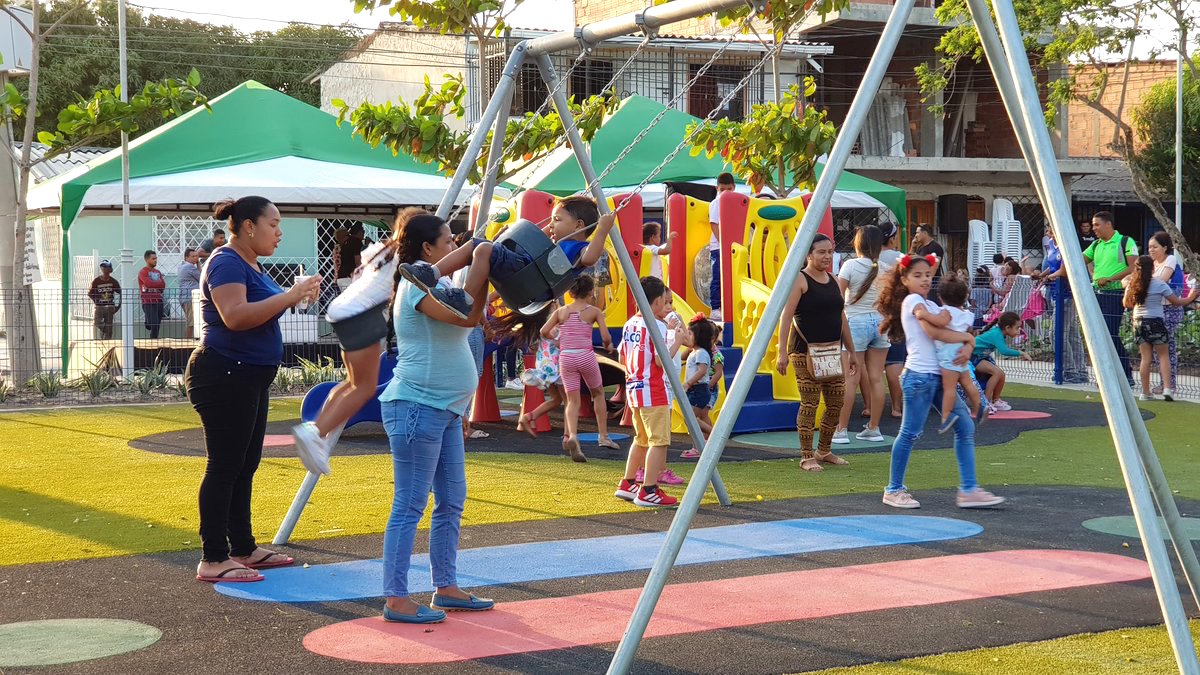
[577, 361]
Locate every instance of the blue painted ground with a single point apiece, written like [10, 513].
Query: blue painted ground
[544, 560]
[587, 437]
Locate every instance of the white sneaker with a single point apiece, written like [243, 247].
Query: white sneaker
[373, 285]
[515, 384]
[841, 437]
[1149, 397]
[311, 448]
[1168, 394]
[716, 316]
[872, 435]
[1001, 406]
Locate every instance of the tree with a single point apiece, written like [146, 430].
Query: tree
[1154, 123]
[481, 19]
[420, 129]
[76, 125]
[777, 146]
[80, 56]
[1076, 40]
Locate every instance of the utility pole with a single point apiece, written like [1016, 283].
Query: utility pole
[127, 276]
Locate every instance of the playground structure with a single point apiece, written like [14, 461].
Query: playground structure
[762, 292]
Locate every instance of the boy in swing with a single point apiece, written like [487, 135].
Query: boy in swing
[572, 220]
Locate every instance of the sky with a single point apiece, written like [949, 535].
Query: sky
[271, 14]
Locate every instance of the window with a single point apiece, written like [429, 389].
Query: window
[710, 89]
[48, 240]
[590, 78]
[531, 90]
[174, 234]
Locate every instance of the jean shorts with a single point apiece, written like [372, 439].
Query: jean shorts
[504, 261]
[864, 330]
[897, 354]
[698, 396]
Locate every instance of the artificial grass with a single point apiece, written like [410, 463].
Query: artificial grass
[72, 488]
[1130, 650]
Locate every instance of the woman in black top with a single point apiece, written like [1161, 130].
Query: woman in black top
[815, 313]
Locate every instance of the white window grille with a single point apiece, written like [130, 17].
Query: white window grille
[48, 237]
[175, 234]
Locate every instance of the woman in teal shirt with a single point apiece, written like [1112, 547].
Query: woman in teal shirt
[992, 341]
[422, 410]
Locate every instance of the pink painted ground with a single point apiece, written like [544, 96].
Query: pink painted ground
[1018, 415]
[277, 440]
[538, 625]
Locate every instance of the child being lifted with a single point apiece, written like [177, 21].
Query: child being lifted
[572, 220]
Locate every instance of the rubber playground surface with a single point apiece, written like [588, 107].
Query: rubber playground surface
[804, 572]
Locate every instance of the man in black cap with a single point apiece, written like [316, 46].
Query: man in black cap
[105, 294]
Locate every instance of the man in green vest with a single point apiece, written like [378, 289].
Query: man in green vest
[1111, 258]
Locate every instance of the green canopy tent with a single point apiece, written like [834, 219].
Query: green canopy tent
[559, 174]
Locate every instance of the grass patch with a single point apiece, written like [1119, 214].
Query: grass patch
[72, 487]
[1130, 650]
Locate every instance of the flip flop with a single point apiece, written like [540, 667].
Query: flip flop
[265, 562]
[231, 580]
[608, 443]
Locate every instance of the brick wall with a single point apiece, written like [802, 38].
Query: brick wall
[1089, 131]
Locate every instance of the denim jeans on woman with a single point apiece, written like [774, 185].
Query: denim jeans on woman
[427, 454]
[922, 393]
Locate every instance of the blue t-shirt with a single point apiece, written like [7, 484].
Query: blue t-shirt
[1052, 264]
[261, 345]
[573, 248]
[434, 365]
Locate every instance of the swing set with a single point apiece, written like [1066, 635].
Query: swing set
[1002, 43]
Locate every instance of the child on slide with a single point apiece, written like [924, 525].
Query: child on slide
[571, 222]
[577, 361]
[953, 293]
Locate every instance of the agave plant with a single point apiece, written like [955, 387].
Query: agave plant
[98, 381]
[49, 384]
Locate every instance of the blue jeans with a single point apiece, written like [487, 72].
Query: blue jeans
[427, 453]
[922, 393]
[714, 289]
[1113, 309]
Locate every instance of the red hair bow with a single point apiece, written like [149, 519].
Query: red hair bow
[908, 259]
[698, 318]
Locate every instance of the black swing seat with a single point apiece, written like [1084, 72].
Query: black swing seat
[546, 277]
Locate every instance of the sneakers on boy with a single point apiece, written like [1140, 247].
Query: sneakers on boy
[668, 477]
[872, 435]
[627, 490]
[1000, 405]
[900, 500]
[948, 424]
[312, 449]
[454, 299]
[977, 499]
[653, 497]
[421, 273]
[841, 437]
[370, 289]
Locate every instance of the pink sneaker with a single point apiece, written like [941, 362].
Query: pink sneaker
[668, 477]
[901, 500]
[690, 453]
[977, 499]
[640, 477]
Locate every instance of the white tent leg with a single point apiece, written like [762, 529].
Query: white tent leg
[757, 348]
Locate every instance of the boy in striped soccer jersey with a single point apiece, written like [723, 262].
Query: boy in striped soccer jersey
[649, 396]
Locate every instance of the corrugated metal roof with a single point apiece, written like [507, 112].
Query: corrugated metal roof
[59, 164]
[1114, 185]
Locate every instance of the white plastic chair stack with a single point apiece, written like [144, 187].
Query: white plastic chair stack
[980, 247]
[1006, 229]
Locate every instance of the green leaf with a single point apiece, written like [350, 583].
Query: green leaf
[193, 78]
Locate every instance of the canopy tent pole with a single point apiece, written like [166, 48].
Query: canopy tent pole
[1009, 63]
[126, 311]
[546, 66]
[1161, 490]
[755, 351]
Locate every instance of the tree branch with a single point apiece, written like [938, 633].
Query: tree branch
[69, 11]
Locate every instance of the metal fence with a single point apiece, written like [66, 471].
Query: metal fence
[88, 367]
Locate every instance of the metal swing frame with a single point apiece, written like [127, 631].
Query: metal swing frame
[1003, 45]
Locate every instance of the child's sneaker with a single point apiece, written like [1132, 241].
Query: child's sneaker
[654, 497]
[871, 435]
[627, 490]
[454, 299]
[1001, 405]
[421, 273]
[1169, 394]
[668, 477]
[312, 449]
[977, 499]
[900, 500]
[948, 424]
[690, 453]
[841, 437]
[372, 287]
[515, 384]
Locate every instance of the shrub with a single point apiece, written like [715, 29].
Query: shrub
[96, 382]
[49, 384]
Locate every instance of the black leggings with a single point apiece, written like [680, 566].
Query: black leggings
[232, 399]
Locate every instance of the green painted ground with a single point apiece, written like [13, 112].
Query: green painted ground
[1143, 651]
[72, 488]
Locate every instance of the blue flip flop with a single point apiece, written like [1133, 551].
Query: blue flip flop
[455, 605]
[423, 615]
